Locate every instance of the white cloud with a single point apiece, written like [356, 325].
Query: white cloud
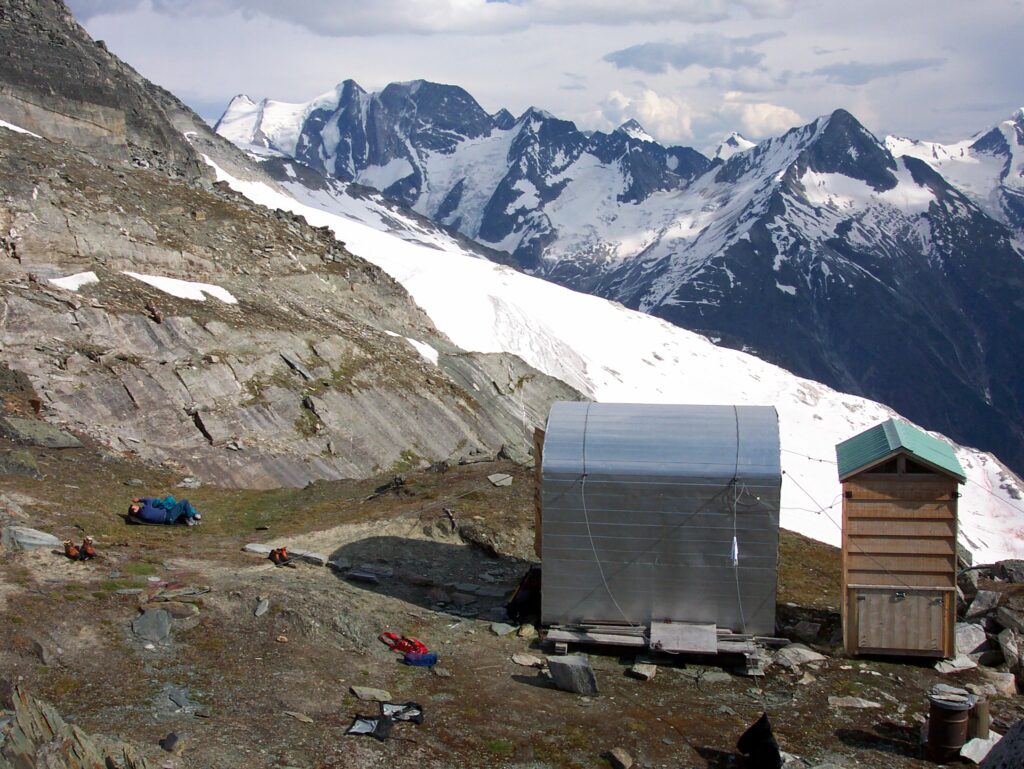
[343, 18]
[665, 118]
[760, 119]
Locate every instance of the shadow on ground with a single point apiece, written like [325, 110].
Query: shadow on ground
[447, 576]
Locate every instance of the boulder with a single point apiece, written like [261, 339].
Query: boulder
[970, 638]
[1011, 618]
[968, 582]
[1011, 571]
[984, 602]
[24, 538]
[1009, 644]
[795, 655]
[1004, 683]
[1009, 752]
[807, 631]
[573, 673]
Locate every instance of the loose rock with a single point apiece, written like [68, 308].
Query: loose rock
[299, 716]
[984, 602]
[573, 673]
[502, 628]
[368, 693]
[970, 637]
[527, 631]
[619, 758]
[955, 665]
[527, 660]
[1009, 752]
[977, 749]
[262, 607]
[794, 655]
[152, 625]
[24, 538]
[644, 671]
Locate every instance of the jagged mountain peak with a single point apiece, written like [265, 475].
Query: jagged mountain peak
[733, 143]
[842, 145]
[634, 130]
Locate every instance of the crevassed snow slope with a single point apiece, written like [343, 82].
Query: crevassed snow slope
[614, 354]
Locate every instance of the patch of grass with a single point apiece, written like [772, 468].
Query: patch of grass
[139, 568]
[500, 747]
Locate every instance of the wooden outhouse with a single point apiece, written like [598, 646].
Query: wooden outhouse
[900, 492]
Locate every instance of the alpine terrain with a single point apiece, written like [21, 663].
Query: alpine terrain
[889, 269]
[347, 393]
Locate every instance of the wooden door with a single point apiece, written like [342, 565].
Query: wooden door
[899, 621]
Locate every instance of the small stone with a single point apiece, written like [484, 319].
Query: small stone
[573, 673]
[366, 577]
[527, 631]
[258, 548]
[44, 652]
[852, 702]
[282, 639]
[527, 660]
[644, 671]
[500, 479]
[134, 482]
[502, 628]
[148, 647]
[368, 693]
[807, 679]
[619, 758]
[299, 716]
[262, 607]
[172, 743]
[441, 672]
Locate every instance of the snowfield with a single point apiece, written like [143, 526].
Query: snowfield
[617, 355]
[185, 289]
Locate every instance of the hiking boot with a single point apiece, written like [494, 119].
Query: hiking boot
[87, 550]
[70, 550]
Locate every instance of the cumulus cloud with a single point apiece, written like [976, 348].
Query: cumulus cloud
[711, 51]
[861, 72]
[341, 18]
[664, 117]
[760, 119]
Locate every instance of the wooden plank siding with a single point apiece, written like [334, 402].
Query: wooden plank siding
[899, 562]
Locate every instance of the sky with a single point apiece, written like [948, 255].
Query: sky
[690, 71]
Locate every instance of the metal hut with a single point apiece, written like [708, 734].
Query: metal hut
[660, 523]
[900, 492]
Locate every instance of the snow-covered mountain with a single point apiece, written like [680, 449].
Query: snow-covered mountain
[988, 167]
[731, 144]
[612, 353]
[820, 250]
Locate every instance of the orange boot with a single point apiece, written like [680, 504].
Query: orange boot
[70, 550]
[87, 551]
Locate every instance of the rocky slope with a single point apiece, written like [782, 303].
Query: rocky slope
[320, 367]
[819, 250]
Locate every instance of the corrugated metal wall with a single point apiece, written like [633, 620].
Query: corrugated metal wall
[638, 517]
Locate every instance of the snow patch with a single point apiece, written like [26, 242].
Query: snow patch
[17, 129]
[76, 281]
[185, 289]
[382, 177]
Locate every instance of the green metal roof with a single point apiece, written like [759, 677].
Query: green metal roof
[890, 438]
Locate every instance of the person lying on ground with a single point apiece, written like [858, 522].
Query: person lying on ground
[164, 510]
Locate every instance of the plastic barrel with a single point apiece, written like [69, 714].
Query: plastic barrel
[947, 732]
